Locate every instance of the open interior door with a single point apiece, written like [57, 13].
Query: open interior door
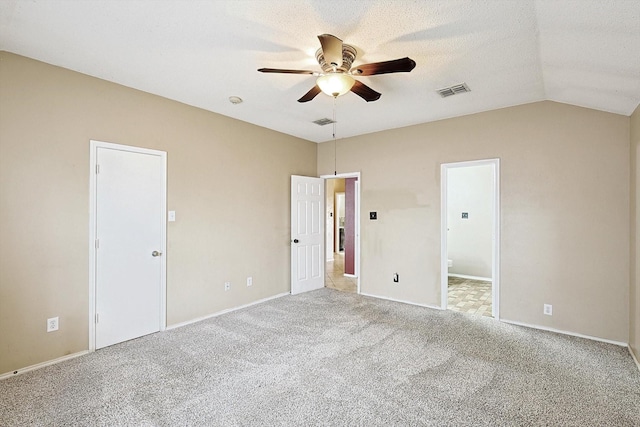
[307, 233]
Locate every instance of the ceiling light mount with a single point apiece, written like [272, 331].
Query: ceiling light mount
[349, 54]
[235, 100]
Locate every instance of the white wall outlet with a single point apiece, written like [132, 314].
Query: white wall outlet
[249, 281]
[548, 309]
[227, 286]
[172, 216]
[52, 324]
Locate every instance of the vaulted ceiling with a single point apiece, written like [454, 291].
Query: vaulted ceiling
[508, 52]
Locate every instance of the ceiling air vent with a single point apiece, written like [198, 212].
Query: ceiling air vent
[323, 122]
[453, 90]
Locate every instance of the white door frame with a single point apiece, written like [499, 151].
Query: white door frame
[357, 215]
[495, 267]
[94, 145]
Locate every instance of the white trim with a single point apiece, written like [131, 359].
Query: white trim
[92, 248]
[464, 276]
[433, 307]
[497, 227]
[559, 331]
[356, 261]
[526, 325]
[444, 267]
[444, 248]
[42, 364]
[357, 257]
[342, 175]
[633, 355]
[228, 310]
[350, 275]
[94, 145]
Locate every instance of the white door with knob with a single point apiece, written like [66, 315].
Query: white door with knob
[307, 233]
[129, 215]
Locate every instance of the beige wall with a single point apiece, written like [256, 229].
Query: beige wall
[564, 206]
[339, 186]
[228, 182]
[634, 297]
[470, 240]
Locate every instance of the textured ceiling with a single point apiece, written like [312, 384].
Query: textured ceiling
[509, 52]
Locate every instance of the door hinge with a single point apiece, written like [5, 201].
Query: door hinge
[97, 317]
[97, 169]
[97, 243]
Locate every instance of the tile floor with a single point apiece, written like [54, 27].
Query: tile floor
[469, 296]
[465, 295]
[334, 275]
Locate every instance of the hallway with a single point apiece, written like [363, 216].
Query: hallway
[334, 275]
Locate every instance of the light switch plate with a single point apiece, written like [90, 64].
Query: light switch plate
[172, 216]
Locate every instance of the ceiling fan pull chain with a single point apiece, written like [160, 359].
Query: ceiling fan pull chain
[335, 146]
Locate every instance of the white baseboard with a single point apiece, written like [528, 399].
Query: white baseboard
[82, 353]
[526, 325]
[464, 276]
[353, 276]
[42, 364]
[228, 310]
[402, 301]
[558, 331]
[635, 359]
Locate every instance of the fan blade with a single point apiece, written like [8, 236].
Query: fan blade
[365, 92]
[279, 70]
[402, 65]
[310, 95]
[331, 49]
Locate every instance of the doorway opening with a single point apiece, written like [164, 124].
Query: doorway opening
[470, 221]
[342, 237]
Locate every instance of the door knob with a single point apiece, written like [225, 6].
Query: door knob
[156, 253]
[295, 240]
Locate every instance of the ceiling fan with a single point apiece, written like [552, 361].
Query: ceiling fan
[335, 59]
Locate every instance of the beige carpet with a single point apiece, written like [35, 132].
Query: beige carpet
[329, 358]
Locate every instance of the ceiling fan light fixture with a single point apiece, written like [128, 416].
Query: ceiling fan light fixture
[335, 84]
[335, 58]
